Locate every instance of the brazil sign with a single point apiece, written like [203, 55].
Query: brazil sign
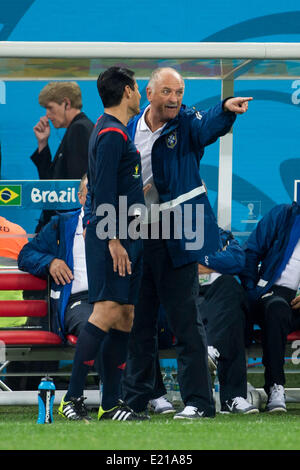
[22, 201]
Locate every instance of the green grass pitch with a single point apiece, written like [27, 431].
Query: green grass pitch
[19, 431]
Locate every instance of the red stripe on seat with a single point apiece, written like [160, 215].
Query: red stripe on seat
[294, 335]
[23, 308]
[26, 337]
[114, 129]
[290, 337]
[21, 281]
[89, 363]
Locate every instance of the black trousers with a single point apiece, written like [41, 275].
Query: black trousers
[177, 291]
[77, 313]
[276, 318]
[224, 310]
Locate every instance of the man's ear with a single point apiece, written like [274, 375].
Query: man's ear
[149, 93]
[127, 91]
[67, 103]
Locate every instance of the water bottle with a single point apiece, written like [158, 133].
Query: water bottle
[216, 393]
[46, 393]
[176, 391]
[169, 383]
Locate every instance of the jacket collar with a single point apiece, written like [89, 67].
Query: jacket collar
[77, 117]
[171, 125]
[296, 207]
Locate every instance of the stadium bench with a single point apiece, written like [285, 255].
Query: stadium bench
[31, 343]
[292, 347]
[28, 343]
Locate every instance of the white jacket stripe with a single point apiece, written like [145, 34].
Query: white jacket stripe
[182, 198]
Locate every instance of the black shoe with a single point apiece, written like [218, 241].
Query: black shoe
[190, 412]
[74, 409]
[238, 405]
[121, 412]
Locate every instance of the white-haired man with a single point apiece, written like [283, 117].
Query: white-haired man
[171, 139]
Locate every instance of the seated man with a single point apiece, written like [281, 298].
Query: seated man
[224, 309]
[58, 250]
[271, 277]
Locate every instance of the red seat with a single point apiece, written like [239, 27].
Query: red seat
[17, 280]
[23, 308]
[30, 338]
[291, 337]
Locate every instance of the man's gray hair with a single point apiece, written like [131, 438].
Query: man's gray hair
[156, 74]
[83, 183]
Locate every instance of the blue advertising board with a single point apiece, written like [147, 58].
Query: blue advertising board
[21, 201]
[266, 140]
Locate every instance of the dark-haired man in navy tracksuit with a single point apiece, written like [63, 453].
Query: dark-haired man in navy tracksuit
[114, 266]
[171, 139]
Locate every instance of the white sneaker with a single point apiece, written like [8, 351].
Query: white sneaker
[190, 412]
[161, 406]
[213, 356]
[238, 405]
[276, 399]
